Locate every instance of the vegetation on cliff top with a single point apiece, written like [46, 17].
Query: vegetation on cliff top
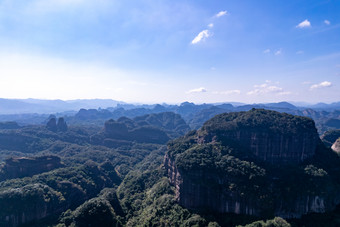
[258, 119]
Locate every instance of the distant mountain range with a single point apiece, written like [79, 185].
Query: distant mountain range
[39, 106]
[97, 111]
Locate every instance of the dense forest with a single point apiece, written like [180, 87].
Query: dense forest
[105, 168]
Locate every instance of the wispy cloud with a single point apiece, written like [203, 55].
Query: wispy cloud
[221, 13]
[327, 22]
[201, 36]
[207, 33]
[321, 85]
[267, 51]
[266, 88]
[278, 52]
[229, 92]
[197, 90]
[300, 52]
[304, 24]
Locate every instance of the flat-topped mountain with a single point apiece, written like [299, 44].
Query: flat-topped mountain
[271, 136]
[259, 162]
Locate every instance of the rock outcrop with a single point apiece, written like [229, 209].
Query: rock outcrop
[336, 146]
[61, 125]
[152, 128]
[271, 136]
[253, 163]
[28, 166]
[52, 124]
[56, 126]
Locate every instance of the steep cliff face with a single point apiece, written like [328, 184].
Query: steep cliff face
[271, 136]
[207, 191]
[203, 190]
[27, 167]
[275, 147]
[336, 146]
[230, 167]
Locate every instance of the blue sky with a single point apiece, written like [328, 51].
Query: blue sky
[154, 51]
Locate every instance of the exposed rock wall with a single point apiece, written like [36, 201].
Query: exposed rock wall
[202, 190]
[219, 179]
[26, 166]
[336, 146]
[271, 136]
[275, 148]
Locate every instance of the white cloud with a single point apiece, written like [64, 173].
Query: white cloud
[278, 52]
[197, 90]
[229, 92]
[221, 13]
[210, 25]
[285, 93]
[201, 36]
[304, 24]
[327, 22]
[321, 85]
[267, 51]
[266, 88]
[300, 52]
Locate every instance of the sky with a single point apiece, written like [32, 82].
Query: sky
[156, 51]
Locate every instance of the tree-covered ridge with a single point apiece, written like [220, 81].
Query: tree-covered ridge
[260, 119]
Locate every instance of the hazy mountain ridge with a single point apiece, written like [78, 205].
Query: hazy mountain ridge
[79, 111]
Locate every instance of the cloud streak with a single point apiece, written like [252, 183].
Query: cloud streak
[221, 13]
[197, 90]
[201, 36]
[321, 85]
[304, 24]
[267, 88]
[207, 33]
